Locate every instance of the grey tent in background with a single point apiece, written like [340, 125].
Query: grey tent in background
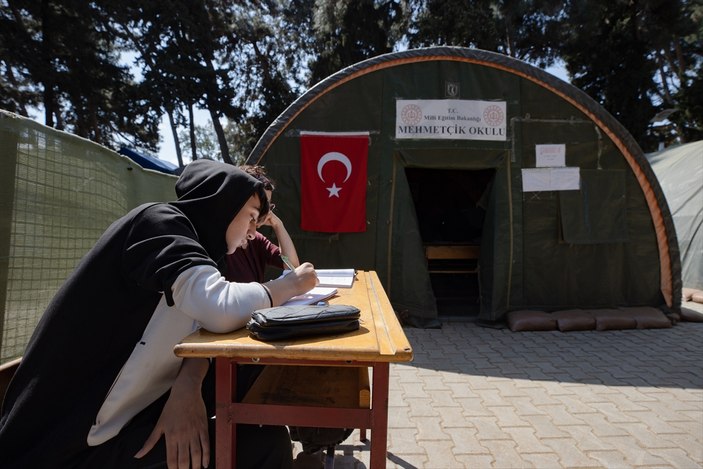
[680, 173]
[593, 231]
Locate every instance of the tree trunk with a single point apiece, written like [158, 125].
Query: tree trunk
[176, 141]
[224, 149]
[191, 124]
[46, 59]
[214, 115]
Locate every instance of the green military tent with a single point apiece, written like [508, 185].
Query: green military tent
[486, 177]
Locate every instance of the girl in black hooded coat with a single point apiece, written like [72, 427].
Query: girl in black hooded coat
[99, 385]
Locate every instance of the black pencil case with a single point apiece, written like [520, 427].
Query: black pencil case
[284, 322]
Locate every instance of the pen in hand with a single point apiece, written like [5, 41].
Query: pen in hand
[287, 263]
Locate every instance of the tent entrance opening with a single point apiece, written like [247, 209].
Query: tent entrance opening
[450, 207]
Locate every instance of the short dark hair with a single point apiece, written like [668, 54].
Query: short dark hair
[259, 172]
[265, 207]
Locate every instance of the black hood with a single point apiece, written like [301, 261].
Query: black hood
[210, 194]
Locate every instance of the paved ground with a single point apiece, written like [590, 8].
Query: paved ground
[484, 398]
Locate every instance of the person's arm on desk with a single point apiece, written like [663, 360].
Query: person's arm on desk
[220, 306]
[183, 420]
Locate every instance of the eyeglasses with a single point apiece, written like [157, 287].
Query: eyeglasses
[268, 186]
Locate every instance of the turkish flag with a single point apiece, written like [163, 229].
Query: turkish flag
[333, 182]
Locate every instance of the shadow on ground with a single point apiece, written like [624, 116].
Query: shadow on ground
[638, 357]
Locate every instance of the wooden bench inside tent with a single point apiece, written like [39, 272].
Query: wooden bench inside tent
[452, 258]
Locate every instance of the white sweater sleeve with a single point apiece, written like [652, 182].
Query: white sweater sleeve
[202, 293]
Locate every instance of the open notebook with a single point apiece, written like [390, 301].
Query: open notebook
[339, 278]
[336, 277]
[315, 295]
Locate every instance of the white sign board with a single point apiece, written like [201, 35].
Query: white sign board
[455, 119]
[551, 179]
[566, 179]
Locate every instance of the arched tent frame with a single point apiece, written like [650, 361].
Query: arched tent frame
[666, 245]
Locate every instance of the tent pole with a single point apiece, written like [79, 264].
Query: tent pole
[390, 228]
[508, 173]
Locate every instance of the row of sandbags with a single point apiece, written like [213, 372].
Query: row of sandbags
[641, 317]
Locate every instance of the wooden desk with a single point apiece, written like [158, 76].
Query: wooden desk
[379, 341]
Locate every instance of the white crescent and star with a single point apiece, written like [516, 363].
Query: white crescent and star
[334, 156]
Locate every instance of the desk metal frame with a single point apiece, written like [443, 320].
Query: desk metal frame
[230, 412]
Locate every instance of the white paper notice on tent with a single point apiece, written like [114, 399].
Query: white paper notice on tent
[551, 179]
[566, 179]
[550, 156]
[312, 297]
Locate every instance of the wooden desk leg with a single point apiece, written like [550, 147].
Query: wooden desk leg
[379, 415]
[225, 431]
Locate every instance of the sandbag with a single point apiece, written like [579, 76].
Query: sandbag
[647, 317]
[529, 320]
[574, 320]
[613, 319]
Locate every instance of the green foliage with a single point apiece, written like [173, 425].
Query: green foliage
[688, 98]
[109, 70]
[345, 32]
[242, 137]
[521, 29]
[63, 56]
[207, 146]
[18, 91]
[635, 58]
[632, 57]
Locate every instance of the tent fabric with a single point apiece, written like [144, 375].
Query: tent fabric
[58, 193]
[611, 243]
[149, 162]
[679, 170]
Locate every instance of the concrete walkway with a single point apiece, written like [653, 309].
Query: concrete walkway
[485, 398]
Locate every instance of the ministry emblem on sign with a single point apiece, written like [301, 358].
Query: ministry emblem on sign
[411, 114]
[493, 115]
